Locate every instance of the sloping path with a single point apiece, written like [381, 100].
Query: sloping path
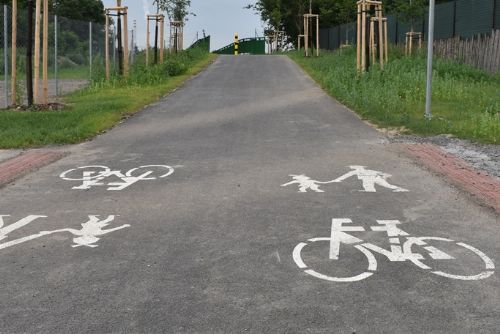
[210, 248]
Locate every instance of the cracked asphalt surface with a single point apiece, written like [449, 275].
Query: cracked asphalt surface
[209, 249]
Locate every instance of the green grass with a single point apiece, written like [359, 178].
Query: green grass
[465, 101]
[90, 111]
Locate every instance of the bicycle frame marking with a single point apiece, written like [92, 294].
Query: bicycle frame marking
[89, 234]
[369, 178]
[91, 178]
[397, 252]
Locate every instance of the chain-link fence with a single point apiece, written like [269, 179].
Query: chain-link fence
[75, 57]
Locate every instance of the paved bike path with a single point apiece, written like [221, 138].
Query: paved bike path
[209, 248]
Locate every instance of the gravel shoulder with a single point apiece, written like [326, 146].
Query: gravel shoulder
[485, 157]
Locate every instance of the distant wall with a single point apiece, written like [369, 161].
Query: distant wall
[203, 43]
[254, 46]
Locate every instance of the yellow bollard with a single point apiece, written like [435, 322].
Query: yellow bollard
[236, 45]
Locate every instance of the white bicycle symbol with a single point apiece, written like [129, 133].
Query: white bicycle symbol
[94, 175]
[398, 252]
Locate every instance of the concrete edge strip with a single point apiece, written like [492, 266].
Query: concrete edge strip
[19, 166]
[478, 183]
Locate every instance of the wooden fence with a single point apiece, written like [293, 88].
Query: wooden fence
[482, 51]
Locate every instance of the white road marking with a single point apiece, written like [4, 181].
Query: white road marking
[4, 231]
[369, 179]
[92, 176]
[397, 252]
[88, 235]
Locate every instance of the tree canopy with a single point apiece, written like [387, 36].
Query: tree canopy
[177, 10]
[82, 10]
[286, 15]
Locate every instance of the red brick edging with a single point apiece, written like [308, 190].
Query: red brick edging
[484, 187]
[19, 166]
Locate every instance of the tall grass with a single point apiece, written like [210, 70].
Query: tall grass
[154, 74]
[465, 101]
[98, 107]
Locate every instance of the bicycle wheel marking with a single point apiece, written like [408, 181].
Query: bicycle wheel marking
[97, 175]
[399, 252]
[372, 263]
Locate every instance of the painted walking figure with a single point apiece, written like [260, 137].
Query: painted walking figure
[304, 182]
[370, 178]
[90, 231]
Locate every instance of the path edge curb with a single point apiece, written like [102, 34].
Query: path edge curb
[15, 168]
[485, 189]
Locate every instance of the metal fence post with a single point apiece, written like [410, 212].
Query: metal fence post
[56, 77]
[5, 54]
[90, 51]
[430, 46]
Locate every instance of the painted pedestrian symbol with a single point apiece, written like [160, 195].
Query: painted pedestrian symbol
[88, 235]
[369, 179]
[92, 176]
[399, 252]
[304, 183]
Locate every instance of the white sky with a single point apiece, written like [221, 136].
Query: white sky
[219, 18]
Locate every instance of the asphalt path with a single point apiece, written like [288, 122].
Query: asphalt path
[210, 248]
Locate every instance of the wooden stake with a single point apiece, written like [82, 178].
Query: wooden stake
[45, 83]
[317, 36]
[162, 38]
[363, 37]
[380, 35]
[306, 35]
[148, 36]
[373, 52]
[358, 38]
[125, 42]
[14, 53]
[36, 82]
[106, 45]
[411, 45]
[406, 45]
[386, 44]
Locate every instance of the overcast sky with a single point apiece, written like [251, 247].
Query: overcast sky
[219, 18]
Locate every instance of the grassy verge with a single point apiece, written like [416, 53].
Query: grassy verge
[97, 108]
[465, 101]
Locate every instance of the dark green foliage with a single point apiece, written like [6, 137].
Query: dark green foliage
[287, 15]
[82, 10]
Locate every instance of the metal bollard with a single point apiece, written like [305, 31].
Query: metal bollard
[236, 45]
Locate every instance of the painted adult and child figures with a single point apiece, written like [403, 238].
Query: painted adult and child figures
[88, 235]
[369, 179]
[92, 230]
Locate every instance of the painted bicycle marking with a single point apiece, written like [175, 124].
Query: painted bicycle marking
[369, 178]
[93, 176]
[398, 252]
[88, 235]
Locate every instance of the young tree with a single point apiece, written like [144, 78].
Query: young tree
[177, 10]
